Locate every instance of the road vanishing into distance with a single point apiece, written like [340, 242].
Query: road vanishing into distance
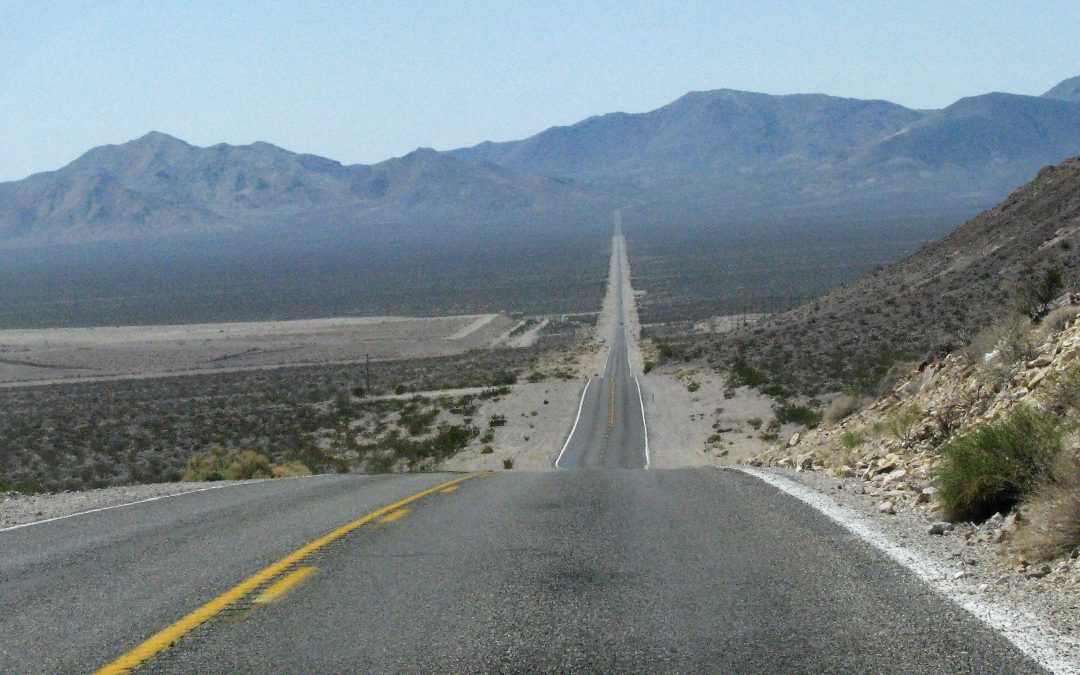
[607, 568]
[610, 428]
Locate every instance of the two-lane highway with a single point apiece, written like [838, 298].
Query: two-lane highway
[610, 429]
[560, 571]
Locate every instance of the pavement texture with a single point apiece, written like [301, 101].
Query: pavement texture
[571, 571]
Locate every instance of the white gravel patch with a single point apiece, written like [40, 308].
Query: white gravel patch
[1039, 616]
[19, 510]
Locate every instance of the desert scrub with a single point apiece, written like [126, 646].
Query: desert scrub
[903, 422]
[841, 407]
[219, 463]
[852, 439]
[993, 466]
[1051, 524]
[1063, 394]
[794, 413]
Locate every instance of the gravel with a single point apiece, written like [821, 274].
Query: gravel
[19, 509]
[1049, 594]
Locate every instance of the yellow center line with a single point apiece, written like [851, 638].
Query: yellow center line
[448, 490]
[284, 585]
[611, 413]
[394, 515]
[162, 640]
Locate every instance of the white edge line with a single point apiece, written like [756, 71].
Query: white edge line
[140, 501]
[576, 420]
[645, 426]
[1052, 650]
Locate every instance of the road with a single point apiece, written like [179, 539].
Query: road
[613, 569]
[564, 571]
[610, 429]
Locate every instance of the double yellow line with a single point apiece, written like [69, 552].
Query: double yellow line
[283, 568]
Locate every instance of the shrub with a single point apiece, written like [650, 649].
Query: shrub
[1051, 526]
[487, 450]
[903, 422]
[1055, 321]
[745, 374]
[497, 420]
[1063, 393]
[797, 414]
[693, 386]
[852, 439]
[219, 463]
[508, 463]
[754, 422]
[989, 469]
[842, 406]
[290, 470]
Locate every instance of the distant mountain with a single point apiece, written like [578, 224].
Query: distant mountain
[158, 184]
[717, 152]
[1069, 90]
[934, 300]
[732, 147]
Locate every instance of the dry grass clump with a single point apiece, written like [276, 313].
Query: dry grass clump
[1051, 526]
[1055, 321]
[220, 463]
[290, 470]
[1011, 342]
[904, 422]
[842, 407]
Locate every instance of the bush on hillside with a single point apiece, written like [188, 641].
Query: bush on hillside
[992, 467]
[793, 413]
[1051, 526]
[219, 463]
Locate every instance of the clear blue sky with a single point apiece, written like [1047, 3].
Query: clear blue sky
[364, 81]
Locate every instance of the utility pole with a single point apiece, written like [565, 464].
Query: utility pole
[367, 373]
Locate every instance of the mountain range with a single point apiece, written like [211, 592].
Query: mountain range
[724, 151]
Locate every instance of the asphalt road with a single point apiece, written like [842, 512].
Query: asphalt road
[610, 430]
[570, 571]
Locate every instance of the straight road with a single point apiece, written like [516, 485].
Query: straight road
[566, 571]
[610, 430]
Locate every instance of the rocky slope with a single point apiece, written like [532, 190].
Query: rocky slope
[932, 301]
[885, 461]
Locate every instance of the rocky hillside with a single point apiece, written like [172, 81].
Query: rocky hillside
[929, 303]
[912, 448]
[158, 184]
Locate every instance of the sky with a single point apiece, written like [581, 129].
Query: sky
[361, 82]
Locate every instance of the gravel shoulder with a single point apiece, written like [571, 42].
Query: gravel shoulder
[1044, 600]
[19, 509]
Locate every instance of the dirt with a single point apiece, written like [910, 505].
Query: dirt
[50, 356]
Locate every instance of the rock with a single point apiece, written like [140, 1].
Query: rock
[886, 507]
[959, 575]
[1009, 523]
[940, 527]
[805, 462]
[794, 440]
[1037, 572]
[1040, 362]
[893, 476]
[984, 588]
